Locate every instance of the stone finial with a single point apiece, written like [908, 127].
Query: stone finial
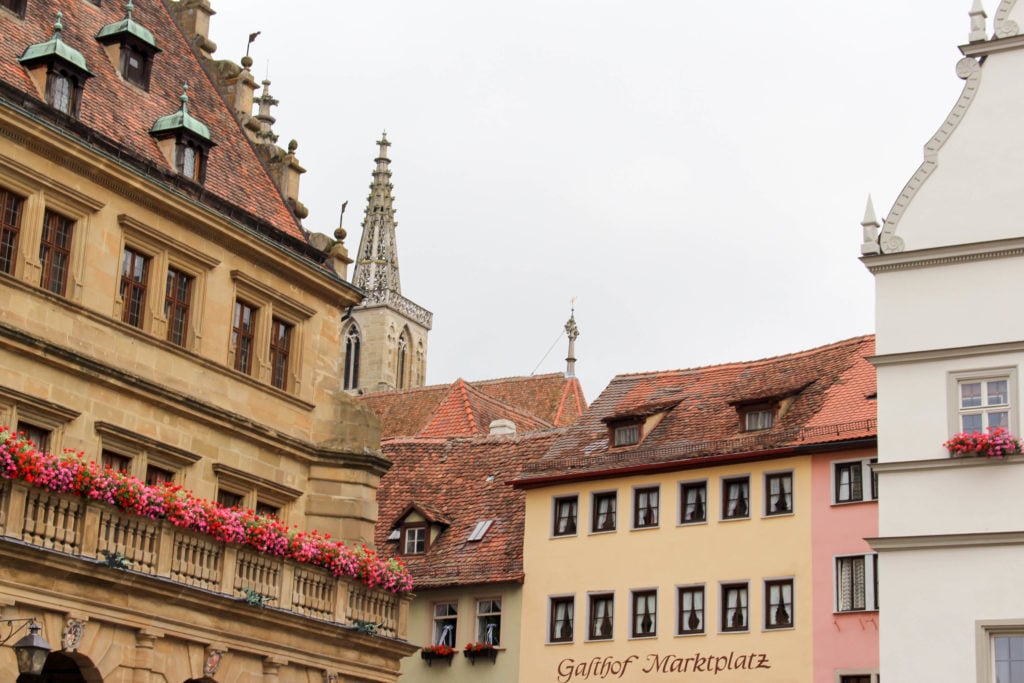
[870, 227]
[978, 17]
[572, 332]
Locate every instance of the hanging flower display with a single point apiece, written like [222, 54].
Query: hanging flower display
[994, 443]
[71, 473]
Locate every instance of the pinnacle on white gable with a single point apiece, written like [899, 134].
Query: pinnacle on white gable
[978, 24]
[870, 227]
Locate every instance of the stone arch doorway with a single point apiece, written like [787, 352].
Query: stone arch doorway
[69, 667]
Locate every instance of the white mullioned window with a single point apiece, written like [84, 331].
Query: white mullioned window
[984, 403]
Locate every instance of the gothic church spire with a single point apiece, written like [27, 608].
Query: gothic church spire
[376, 270]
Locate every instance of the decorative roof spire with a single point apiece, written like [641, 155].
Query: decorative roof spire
[265, 102]
[573, 332]
[376, 270]
[870, 227]
[978, 18]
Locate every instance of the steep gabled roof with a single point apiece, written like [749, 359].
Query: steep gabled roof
[467, 408]
[116, 116]
[463, 481]
[830, 393]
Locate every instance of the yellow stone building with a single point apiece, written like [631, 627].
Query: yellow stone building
[163, 311]
[669, 533]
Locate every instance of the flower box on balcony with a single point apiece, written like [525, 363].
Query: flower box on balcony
[995, 443]
[475, 651]
[432, 653]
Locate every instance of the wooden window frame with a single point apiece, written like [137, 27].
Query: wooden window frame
[178, 306]
[440, 621]
[639, 522]
[728, 511]
[55, 257]
[565, 508]
[280, 350]
[486, 616]
[771, 500]
[423, 543]
[244, 318]
[554, 603]
[630, 432]
[683, 615]
[771, 607]
[594, 615]
[870, 587]
[727, 622]
[636, 618]
[134, 286]
[596, 515]
[685, 487]
[10, 229]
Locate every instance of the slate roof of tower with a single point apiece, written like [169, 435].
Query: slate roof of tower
[467, 481]
[834, 400]
[467, 408]
[115, 116]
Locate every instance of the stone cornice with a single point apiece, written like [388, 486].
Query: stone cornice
[931, 355]
[946, 464]
[939, 541]
[943, 256]
[990, 47]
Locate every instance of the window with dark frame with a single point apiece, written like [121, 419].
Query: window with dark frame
[158, 475]
[10, 229]
[736, 498]
[645, 507]
[488, 621]
[134, 283]
[40, 436]
[691, 610]
[115, 461]
[55, 252]
[267, 510]
[757, 418]
[280, 349]
[229, 499]
[177, 303]
[778, 604]
[565, 516]
[854, 481]
[778, 493]
[352, 349]
[561, 620]
[243, 336]
[856, 678]
[625, 434]
[63, 91]
[414, 539]
[135, 65]
[601, 616]
[693, 497]
[645, 614]
[446, 619]
[735, 607]
[603, 511]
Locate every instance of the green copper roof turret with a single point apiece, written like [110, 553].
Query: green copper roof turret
[55, 49]
[181, 120]
[127, 27]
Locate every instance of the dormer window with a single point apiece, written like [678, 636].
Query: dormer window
[414, 538]
[625, 433]
[758, 418]
[184, 140]
[58, 71]
[16, 6]
[130, 47]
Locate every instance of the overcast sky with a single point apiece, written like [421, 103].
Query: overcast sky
[694, 173]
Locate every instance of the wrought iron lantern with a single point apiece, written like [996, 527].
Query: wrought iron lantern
[32, 649]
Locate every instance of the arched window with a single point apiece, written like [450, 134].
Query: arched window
[403, 352]
[352, 344]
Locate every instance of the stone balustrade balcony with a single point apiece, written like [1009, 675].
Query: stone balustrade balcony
[92, 531]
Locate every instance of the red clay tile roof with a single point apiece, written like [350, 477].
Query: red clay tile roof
[832, 386]
[466, 480]
[122, 114]
[467, 408]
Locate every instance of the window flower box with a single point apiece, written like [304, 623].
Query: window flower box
[994, 443]
[432, 653]
[475, 651]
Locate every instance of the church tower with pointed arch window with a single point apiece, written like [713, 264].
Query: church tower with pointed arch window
[385, 338]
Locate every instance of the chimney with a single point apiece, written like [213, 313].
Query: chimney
[503, 428]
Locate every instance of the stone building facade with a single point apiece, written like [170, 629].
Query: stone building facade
[163, 312]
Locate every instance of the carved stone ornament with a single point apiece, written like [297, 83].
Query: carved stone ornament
[71, 638]
[330, 677]
[213, 660]
[1007, 29]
